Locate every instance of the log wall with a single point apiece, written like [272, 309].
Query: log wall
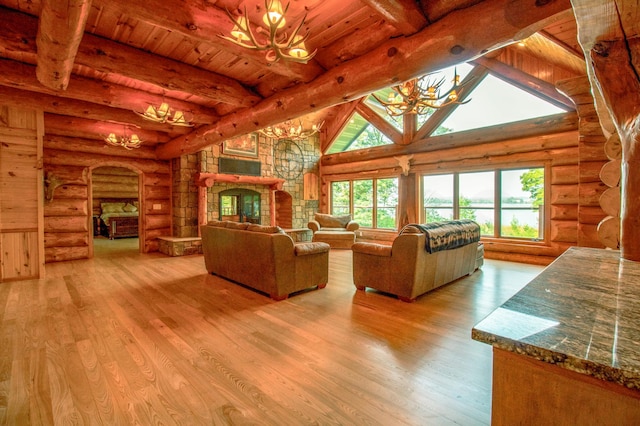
[592, 158]
[20, 194]
[558, 152]
[68, 215]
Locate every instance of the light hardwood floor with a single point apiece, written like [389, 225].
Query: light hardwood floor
[128, 338]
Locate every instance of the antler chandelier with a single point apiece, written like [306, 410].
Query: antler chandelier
[165, 114]
[277, 46]
[291, 131]
[125, 141]
[417, 96]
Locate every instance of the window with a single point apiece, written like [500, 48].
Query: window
[506, 203]
[373, 203]
[438, 198]
[340, 198]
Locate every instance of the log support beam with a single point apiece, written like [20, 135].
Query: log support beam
[620, 87]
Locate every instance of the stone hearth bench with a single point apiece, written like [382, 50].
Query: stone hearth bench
[180, 246]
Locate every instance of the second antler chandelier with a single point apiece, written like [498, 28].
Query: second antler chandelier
[417, 96]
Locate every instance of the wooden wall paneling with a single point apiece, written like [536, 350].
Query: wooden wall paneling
[20, 194]
[113, 175]
[565, 174]
[564, 212]
[592, 159]
[66, 224]
[18, 252]
[66, 239]
[60, 254]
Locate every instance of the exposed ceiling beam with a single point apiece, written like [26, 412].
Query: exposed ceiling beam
[60, 30]
[18, 32]
[470, 82]
[22, 76]
[442, 44]
[379, 123]
[339, 118]
[86, 128]
[527, 82]
[204, 24]
[405, 15]
[74, 108]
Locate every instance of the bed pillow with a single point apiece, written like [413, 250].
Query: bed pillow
[112, 207]
[130, 208]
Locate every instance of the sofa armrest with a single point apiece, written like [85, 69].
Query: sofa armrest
[303, 249]
[372, 249]
[313, 225]
[352, 226]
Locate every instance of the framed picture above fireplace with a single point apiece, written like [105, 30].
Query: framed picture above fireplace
[244, 146]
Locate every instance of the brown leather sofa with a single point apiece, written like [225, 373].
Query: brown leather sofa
[407, 268]
[264, 258]
[337, 231]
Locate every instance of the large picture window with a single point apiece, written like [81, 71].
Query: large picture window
[373, 203]
[506, 203]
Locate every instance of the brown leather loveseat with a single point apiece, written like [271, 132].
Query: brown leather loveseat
[337, 231]
[264, 258]
[421, 258]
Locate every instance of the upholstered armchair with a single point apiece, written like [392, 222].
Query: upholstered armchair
[337, 231]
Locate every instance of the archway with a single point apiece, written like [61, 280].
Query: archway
[116, 205]
[284, 210]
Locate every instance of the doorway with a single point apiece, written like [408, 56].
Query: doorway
[115, 211]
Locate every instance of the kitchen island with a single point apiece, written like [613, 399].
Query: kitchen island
[566, 348]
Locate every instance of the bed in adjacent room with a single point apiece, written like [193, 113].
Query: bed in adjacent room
[119, 219]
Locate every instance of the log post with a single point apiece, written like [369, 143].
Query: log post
[202, 207]
[620, 87]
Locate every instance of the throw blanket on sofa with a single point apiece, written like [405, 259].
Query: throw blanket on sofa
[447, 235]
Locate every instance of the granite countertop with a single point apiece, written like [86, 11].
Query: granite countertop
[581, 313]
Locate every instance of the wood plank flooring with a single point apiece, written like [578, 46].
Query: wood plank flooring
[129, 338]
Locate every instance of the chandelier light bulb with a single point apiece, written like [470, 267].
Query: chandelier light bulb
[274, 15]
[239, 31]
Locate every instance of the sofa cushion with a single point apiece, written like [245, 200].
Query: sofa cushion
[217, 223]
[265, 229]
[237, 225]
[372, 248]
[331, 221]
[302, 249]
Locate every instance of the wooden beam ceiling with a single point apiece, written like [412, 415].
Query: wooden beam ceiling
[19, 34]
[439, 45]
[60, 29]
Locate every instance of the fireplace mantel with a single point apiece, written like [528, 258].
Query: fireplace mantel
[208, 179]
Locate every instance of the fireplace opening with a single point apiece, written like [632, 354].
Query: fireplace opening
[240, 205]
